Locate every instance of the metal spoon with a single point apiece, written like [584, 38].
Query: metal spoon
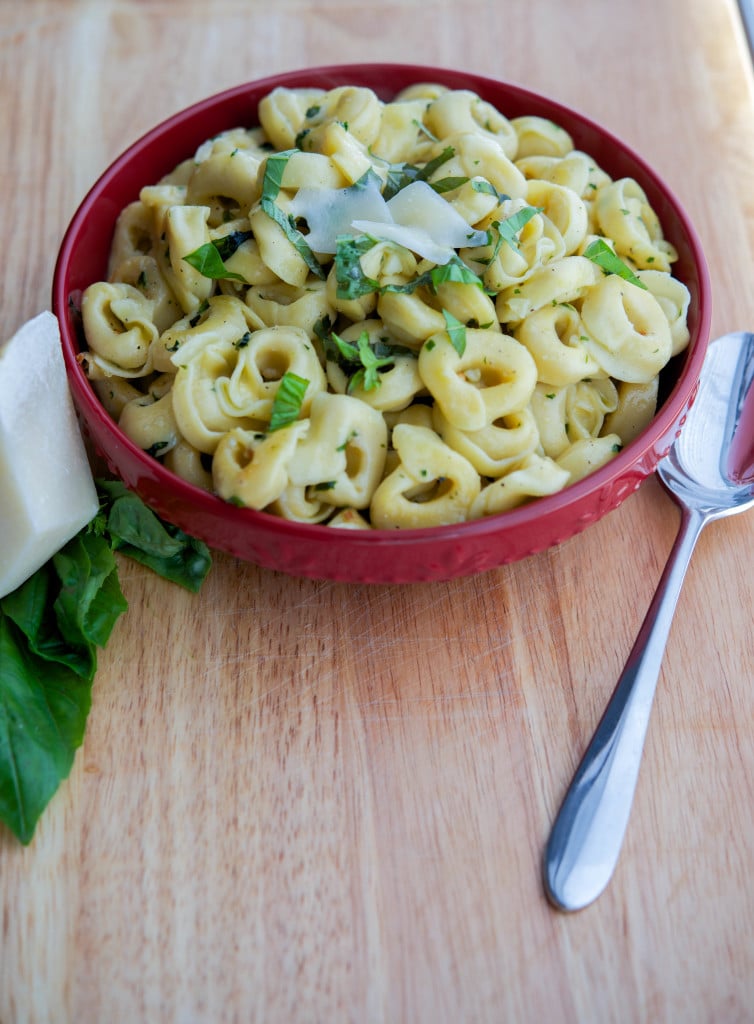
[709, 471]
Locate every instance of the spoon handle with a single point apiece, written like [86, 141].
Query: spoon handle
[587, 835]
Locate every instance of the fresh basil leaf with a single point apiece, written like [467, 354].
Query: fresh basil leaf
[369, 357]
[228, 244]
[43, 712]
[599, 252]
[486, 187]
[208, 261]
[509, 228]
[289, 398]
[449, 184]
[88, 604]
[455, 270]
[137, 532]
[402, 174]
[50, 629]
[456, 332]
[272, 182]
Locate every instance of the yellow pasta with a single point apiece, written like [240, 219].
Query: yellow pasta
[385, 314]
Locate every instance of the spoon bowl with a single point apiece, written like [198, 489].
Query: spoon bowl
[709, 472]
[706, 467]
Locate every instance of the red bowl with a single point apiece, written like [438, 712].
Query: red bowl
[374, 556]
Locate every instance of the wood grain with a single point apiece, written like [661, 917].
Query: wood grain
[301, 801]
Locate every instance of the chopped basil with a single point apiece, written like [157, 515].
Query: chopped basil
[272, 182]
[454, 271]
[509, 228]
[447, 184]
[402, 174]
[599, 252]
[486, 187]
[369, 357]
[289, 398]
[352, 282]
[208, 261]
[456, 332]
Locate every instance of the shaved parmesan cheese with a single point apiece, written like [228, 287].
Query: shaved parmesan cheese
[330, 212]
[47, 493]
[416, 218]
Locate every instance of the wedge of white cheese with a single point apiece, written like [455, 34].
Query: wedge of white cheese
[47, 493]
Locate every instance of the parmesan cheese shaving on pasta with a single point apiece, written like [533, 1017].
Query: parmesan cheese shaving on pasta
[48, 493]
[416, 218]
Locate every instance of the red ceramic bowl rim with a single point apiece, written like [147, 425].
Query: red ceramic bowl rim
[673, 407]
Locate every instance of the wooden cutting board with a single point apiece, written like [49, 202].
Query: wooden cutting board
[301, 801]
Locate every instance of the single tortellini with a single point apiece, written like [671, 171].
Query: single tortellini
[115, 392]
[554, 337]
[226, 183]
[626, 330]
[478, 155]
[637, 404]
[186, 229]
[133, 235]
[142, 272]
[431, 486]
[506, 263]
[473, 201]
[401, 135]
[355, 106]
[570, 413]
[493, 377]
[120, 329]
[245, 260]
[275, 247]
[563, 208]
[538, 136]
[349, 519]
[283, 305]
[588, 455]
[188, 463]
[548, 406]
[343, 453]
[283, 113]
[576, 171]
[260, 363]
[150, 423]
[224, 319]
[588, 402]
[201, 417]
[311, 170]
[535, 477]
[461, 111]
[561, 281]
[250, 468]
[497, 447]
[385, 263]
[414, 316]
[300, 504]
[625, 215]
[399, 382]
[674, 299]
[348, 154]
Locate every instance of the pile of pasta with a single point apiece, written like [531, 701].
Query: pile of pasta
[293, 323]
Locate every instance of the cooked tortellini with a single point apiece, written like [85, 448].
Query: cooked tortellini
[385, 314]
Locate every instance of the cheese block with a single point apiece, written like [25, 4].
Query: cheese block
[47, 493]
